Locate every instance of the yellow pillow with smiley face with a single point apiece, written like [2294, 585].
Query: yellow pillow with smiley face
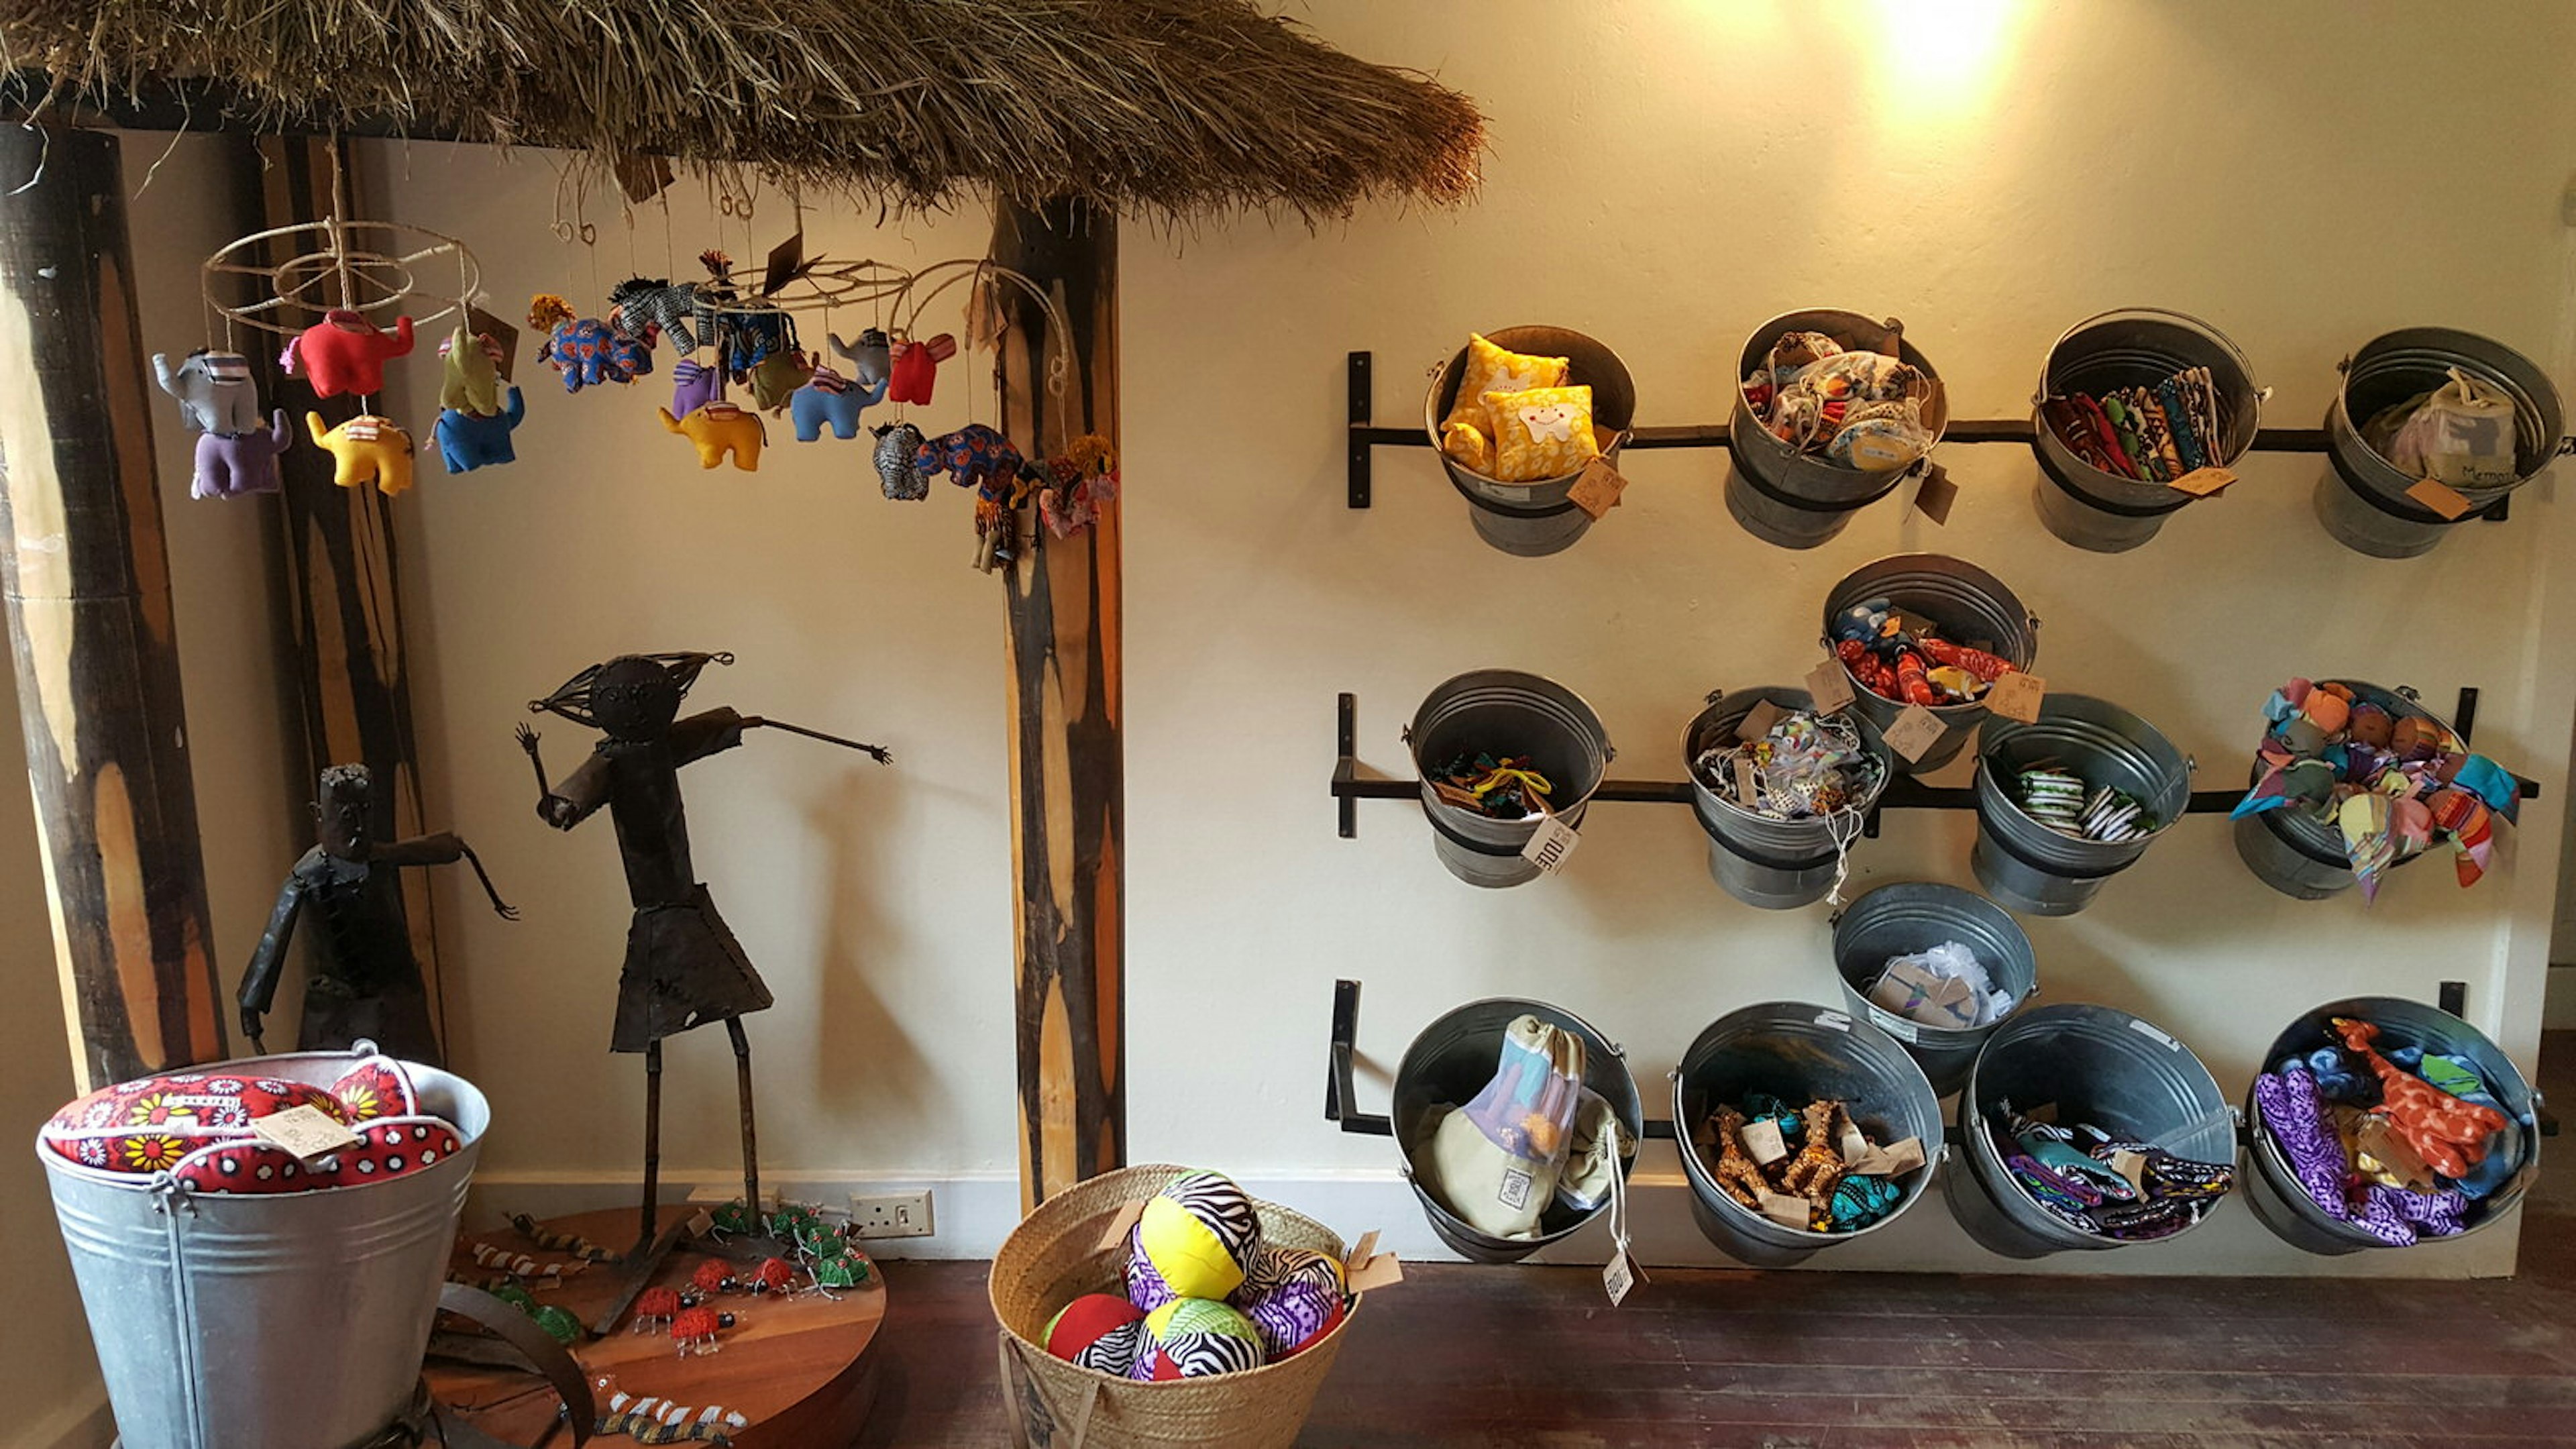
[1543, 432]
[1466, 433]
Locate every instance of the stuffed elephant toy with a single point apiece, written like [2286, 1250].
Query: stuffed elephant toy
[468, 440]
[898, 452]
[974, 456]
[471, 362]
[751, 338]
[214, 391]
[230, 465]
[829, 400]
[870, 358]
[639, 305]
[588, 352]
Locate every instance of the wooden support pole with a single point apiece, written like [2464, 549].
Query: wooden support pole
[88, 596]
[1068, 771]
[350, 690]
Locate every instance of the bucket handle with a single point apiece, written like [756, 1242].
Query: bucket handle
[1839, 1021]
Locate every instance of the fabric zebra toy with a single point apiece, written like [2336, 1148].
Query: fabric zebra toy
[639, 305]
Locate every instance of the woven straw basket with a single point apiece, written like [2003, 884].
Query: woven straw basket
[1055, 1255]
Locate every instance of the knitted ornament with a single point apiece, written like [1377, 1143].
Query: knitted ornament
[774, 1275]
[1190, 1338]
[1097, 1331]
[1198, 1235]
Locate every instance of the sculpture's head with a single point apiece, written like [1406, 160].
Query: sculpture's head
[343, 808]
[633, 697]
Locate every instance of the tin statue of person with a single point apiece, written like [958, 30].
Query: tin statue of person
[366, 981]
[683, 966]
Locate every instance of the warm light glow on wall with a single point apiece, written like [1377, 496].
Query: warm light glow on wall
[1947, 50]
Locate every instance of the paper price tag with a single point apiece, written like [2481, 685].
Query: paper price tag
[1597, 491]
[1128, 1217]
[1763, 1142]
[1788, 1212]
[1617, 1277]
[701, 1223]
[1935, 494]
[1549, 847]
[2017, 696]
[1915, 732]
[2202, 482]
[504, 336]
[305, 1132]
[2440, 497]
[1829, 684]
[1748, 790]
[1758, 720]
[1382, 1271]
[1360, 1255]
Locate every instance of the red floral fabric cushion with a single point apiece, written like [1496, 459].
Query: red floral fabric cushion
[389, 1147]
[376, 1087]
[147, 1126]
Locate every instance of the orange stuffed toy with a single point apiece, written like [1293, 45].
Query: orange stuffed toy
[2448, 1133]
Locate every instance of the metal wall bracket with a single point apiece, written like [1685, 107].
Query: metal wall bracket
[1365, 436]
[1902, 793]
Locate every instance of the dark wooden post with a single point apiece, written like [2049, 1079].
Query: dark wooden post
[1068, 770]
[88, 584]
[342, 634]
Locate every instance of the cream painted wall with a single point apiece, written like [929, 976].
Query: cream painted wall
[1664, 175]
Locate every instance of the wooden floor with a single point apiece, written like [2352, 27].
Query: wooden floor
[1462, 1355]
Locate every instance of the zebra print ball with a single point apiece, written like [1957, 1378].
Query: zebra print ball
[1197, 1238]
[1293, 1296]
[1191, 1338]
[1098, 1331]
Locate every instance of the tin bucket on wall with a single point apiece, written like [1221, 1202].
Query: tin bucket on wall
[1799, 500]
[1452, 1060]
[1536, 518]
[1798, 1052]
[1971, 606]
[203, 1305]
[2272, 1188]
[1912, 917]
[1776, 865]
[2361, 496]
[2297, 854]
[1505, 712]
[2031, 867]
[2131, 347]
[2100, 1066]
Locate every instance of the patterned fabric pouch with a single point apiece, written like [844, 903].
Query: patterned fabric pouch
[1496, 1161]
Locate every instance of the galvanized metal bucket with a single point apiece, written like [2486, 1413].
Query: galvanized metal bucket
[2098, 1065]
[1452, 1060]
[1799, 500]
[1776, 865]
[2361, 496]
[1536, 518]
[2027, 865]
[1911, 917]
[1971, 606]
[1799, 1052]
[206, 1307]
[2295, 853]
[2131, 347]
[1505, 712]
[2272, 1189]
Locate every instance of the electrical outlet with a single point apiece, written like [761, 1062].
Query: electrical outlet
[903, 1215]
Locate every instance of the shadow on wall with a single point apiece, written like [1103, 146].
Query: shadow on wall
[877, 1072]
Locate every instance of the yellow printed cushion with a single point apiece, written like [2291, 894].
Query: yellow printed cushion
[1544, 432]
[1492, 369]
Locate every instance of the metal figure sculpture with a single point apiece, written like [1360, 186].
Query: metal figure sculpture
[683, 966]
[366, 982]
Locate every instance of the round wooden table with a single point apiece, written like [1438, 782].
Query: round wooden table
[797, 1367]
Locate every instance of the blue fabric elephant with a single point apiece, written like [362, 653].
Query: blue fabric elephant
[974, 456]
[214, 391]
[467, 441]
[588, 352]
[830, 400]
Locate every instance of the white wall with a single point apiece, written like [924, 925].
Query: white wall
[1664, 176]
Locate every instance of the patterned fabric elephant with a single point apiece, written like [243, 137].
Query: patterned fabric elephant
[214, 391]
[974, 456]
[639, 305]
[750, 338]
[588, 352]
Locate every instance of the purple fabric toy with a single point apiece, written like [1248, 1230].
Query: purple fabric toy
[2296, 1115]
[230, 465]
[693, 387]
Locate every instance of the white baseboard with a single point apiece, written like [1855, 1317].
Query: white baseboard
[971, 1214]
[84, 1424]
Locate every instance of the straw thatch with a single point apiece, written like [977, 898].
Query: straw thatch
[1166, 107]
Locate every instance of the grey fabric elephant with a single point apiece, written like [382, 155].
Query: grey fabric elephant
[870, 357]
[214, 391]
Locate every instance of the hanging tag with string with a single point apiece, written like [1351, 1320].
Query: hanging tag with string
[1621, 1273]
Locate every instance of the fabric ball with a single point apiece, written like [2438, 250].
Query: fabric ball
[1097, 1331]
[1191, 1338]
[1198, 1235]
[1294, 1296]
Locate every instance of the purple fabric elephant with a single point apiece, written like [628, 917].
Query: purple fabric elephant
[230, 465]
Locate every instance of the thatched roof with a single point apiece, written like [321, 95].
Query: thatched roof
[1167, 107]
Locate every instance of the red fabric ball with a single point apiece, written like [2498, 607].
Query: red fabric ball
[1085, 1320]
